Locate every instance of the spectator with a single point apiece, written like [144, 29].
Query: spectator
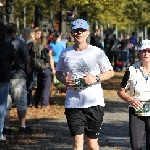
[18, 78]
[95, 39]
[139, 42]
[125, 46]
[136, 79]
[6, 60]
[29, 43]
[26, 37]
[70, 42]
[42, 68]
[114, 46]
[57, 46]
[64, 38]
[107, 46]
[102, 42]
[50, 36]
[85, 66]
[133, 42]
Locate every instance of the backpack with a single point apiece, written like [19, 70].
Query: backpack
[40, 58]
[45, 56]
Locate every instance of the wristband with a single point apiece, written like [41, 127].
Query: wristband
[97, 78]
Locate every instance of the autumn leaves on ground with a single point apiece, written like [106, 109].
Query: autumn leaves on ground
[56, 111]
[57, 102]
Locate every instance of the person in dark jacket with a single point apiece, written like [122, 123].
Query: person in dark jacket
[6, 60]
[43, 69]
[133, 42]
[125, 46]
[107, 42]
[114, 49]
[18, 90]
[95, 39]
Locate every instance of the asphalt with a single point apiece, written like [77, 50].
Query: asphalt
[114, 134]
[55, 134]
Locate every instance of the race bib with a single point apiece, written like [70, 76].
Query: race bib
[79, 84]
[145, 111]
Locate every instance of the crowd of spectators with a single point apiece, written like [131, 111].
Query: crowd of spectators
[35, 57]
[120, 51]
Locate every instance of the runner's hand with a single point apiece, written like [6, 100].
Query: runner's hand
[89, 79]
[69, 81]
[136, 104]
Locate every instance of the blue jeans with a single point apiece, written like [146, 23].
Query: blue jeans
[43, 87]
[125, 59]
[4, 90]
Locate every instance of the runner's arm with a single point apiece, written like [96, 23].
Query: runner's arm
[106, 75]
[122, 92]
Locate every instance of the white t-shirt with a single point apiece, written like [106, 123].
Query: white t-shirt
[139, 87]
[92, 60]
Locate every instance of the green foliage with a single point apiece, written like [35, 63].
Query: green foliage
[120, 12]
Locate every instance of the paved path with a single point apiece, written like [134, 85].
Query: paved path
[114, 132]
[54, 134]
[113, 136]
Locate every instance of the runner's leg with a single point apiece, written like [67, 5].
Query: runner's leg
[136, 130]
[147, 133]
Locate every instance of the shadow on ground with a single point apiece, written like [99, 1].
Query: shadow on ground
[116, 106]
[53, 134]
[114, 135]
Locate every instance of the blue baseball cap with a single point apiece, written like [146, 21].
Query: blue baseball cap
[79, 23]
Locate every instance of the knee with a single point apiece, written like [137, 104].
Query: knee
[93, 144]
[78, 142]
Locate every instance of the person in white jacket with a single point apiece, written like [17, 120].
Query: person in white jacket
[136, 78]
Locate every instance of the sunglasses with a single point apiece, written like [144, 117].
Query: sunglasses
[79, 30]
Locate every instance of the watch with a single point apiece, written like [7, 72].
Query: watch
[97, 78]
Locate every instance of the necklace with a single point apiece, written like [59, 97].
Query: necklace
[146, 77]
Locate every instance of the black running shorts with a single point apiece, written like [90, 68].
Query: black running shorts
[86, 121]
